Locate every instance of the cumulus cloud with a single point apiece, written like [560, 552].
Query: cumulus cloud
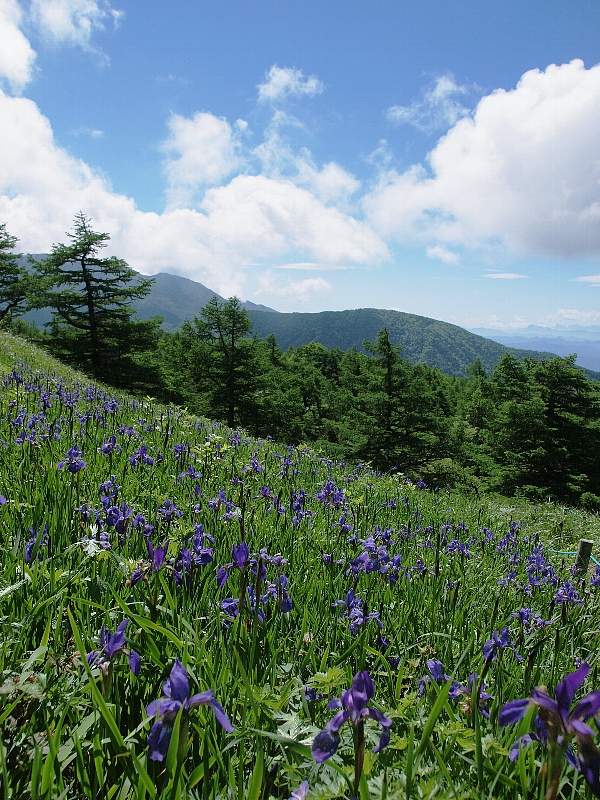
[200, 151]
[259, 213]
[73, 21]
[331, 183]
[283, 82]
[16, 54]
[301, 291]
[250, 219]
[523, 171]
[439, 108]
[571, 315]
[442, 253]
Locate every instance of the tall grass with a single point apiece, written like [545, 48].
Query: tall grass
[436, 572]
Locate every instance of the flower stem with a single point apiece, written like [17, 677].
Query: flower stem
[359, 754]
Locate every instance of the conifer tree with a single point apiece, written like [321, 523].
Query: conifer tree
[93, 324]
[14, 280]
[223, 360]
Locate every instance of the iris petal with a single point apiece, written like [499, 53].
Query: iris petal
[565, 691]
[324, 746]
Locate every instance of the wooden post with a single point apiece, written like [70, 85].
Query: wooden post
[584, 551]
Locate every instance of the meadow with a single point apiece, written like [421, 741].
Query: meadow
[188, 612]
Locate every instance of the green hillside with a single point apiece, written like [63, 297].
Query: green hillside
[185, 607]
[448, 347]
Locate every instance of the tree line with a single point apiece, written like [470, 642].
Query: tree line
[530, 427]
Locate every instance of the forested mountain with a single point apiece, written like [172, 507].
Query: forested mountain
[529, 426]
[176, 299]
[448, 347]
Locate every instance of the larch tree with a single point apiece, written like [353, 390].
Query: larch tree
[93, 323]
[223, 360]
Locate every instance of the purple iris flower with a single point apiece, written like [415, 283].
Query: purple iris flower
[567, 594]
[112, 645]
[354, 709]
[169, 511]
[530, 620]
[499, 642]
[436, 670]
[157, 555]
[331, 496]
[240, 554]
[155, 564]
[38, 540]
[557, 725]
[278, 589]
[177, 697]
[301, 792]
[111, 446]
[73, 462]
[190, 472]
[141, 457]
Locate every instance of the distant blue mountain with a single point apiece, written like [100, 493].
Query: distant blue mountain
[564, 341]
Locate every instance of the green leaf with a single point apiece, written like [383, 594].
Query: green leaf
[173, 751]
[257, 775]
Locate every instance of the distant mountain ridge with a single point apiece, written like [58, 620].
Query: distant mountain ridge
[448, 347]
[563, 340]
[172, 297]
[176, 299]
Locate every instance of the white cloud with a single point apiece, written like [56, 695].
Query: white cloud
[253, 218]
[302, 291]
[331, 184]
[310, 266]
[571, 315]
[16, 54]
[201, 151]
[83, 130]
[592, 280]
[505, 276]
[73, 21]
[254, 212]
[283, 82]
[439, 108]
[442, 253]
[523, 172]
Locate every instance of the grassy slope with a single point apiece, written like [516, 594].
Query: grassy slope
[58, 734]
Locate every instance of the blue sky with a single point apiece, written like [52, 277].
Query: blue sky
[440, 158]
